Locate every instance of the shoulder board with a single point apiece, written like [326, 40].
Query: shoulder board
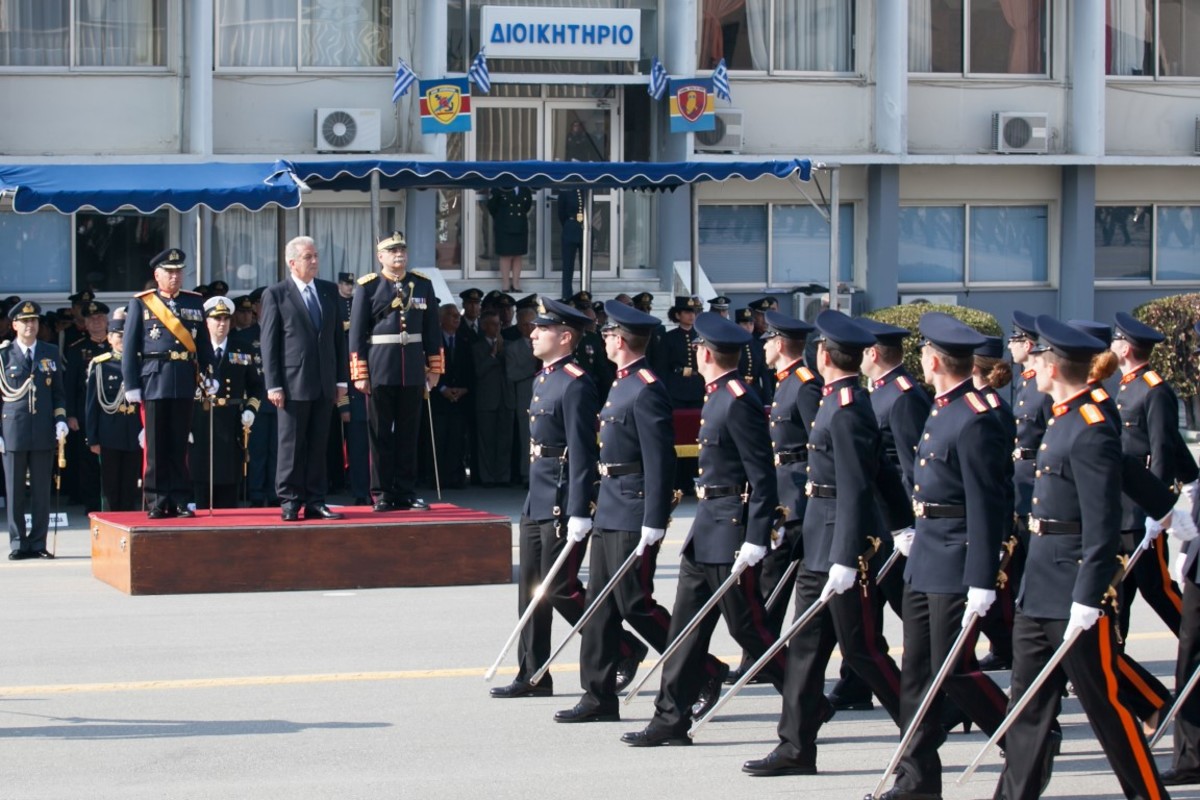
[736, 388]
[1099, 395]
[845, 396]
[647, 376]
[143, 294]
[189, 292]
[993, 401]
[1151, 377]
[1091, 414]
[1028, 374]
[365, 279]
[574, 370]
[102, 358]
[6, 343]
[805, 374]
[418, 274]
[904, 383]
[975, 402]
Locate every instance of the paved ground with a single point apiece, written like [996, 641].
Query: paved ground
[379, 694]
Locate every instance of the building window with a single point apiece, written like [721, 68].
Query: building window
[113, 251]
[778, 35]
[292, 34]
[981, 37]
[37, 253]
[116, 33]
[345, 240]
[246, 249]
[1153, 38]
[772, 245]
[1148, 244]
[1005, 245]
[1177, 243]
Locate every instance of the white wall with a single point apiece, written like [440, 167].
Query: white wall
[1157, 119]
[794, 118]
[956, 116]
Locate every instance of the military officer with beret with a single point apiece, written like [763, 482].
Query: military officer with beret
[684, 381]
[167, 352]
[32, 420]
[77, 357]
[226, 415]
[113, 425]
[395, 354]
[731, 533]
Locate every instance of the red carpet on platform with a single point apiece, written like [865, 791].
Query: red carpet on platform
[258, 517]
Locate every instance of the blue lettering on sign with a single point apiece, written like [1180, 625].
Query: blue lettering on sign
[559, 34]
[625, 34]
[571, 33]
[498, 34]
[589, 34]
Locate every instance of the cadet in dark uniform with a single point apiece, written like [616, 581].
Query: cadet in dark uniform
[32, 420]
[590, 352]
[845, 471]
[729, 534]
[77, 356]
[166, 351]
[637, 460]
[571, 209]
[264, 437]
[684, 382]
[1071, 566]
[752, 365]
[509, 209]
[954, 558]
[656, 350]
[228, 413]
[395, 353]
[112, 426]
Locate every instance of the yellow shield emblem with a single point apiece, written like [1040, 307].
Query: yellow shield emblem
[444, 102]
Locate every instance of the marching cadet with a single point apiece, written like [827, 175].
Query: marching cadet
[395, 354]
[169, 350]
[1069, 574]
[113, 425]
[683, 378]
[562, 472]
[590, 352]
[730, 533]
[954, 556]
[32, 419]
[227, 414]
[637, 460]
[77, 357]
[846, 469]
[752, 365]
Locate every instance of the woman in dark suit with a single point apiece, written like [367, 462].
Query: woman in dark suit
[510, 226]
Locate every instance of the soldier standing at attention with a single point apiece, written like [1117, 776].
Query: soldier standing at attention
[76, 358]
[167, 350]
[395, 354]
[113, 425]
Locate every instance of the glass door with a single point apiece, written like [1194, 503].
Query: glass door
[580, 131]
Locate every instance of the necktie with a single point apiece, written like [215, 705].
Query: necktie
[314, 308]
[29, 359]
[449, 345]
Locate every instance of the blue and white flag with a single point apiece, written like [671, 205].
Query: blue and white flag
[721, 81]
[658, 79]
[479, 72]
[405, 77]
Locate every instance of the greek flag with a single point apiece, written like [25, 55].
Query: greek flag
[479, 73]
[721, 81]
[658, 79]
[404, 80]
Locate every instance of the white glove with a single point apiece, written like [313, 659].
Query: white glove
[903, 540]
[1191, 491]
[1153, 529]
[841, 578]
[247, 418]
[650, 536]
[1181, 526]
[133, 395]
[1, 444]
[211, 387]
[749, 555]
[191, 439]
[142, 439]
[1177, 567]
[60, 430]
[578, 527]
[978, 602]
[1082, 618]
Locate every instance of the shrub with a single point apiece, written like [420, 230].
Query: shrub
[909, 316]
[1174, 317]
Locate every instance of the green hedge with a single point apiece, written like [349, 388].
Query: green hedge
[909, 316]
[1174, 317]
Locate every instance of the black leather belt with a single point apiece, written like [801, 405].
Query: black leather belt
[820, 490]
[711, 492]
[170, 355]
[627, 468]
[790, 457]
[1024, 453]
[546, 451]
[937, 511]
[1043, 527]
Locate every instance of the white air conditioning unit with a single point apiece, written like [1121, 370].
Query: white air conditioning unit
[347, 130]
[726, 137]
[1019, 132]
[931, 299]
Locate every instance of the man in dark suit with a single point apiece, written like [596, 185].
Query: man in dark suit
[304, 368]
[449, 402]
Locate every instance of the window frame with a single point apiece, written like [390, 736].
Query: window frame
[1156, 77]
[1153, 280]
[855, 73]
[967, 74]
[169, 37]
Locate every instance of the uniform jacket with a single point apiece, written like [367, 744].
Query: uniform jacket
[510, 220]
[118, 430]
[684, 383]
[305, 362]
[571, 205]
[901, 407]
[460, 374]
[591, 356]
[1030, 412]
[77, 358]
[252, 338]
[493, 390]
[146, 338]
[793, 411]
[28, 423]
[239, 387]
[1138, 483]
[1003, 412]
[562, 414]
[1149, 432]
[752, 366]
[636, 428]
[383, 308]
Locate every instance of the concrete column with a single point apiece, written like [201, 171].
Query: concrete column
[1085, 128]
[199, 67]
[883, 235]
[891, 76]
[677, 33]
[1077, 258]
[429, 60]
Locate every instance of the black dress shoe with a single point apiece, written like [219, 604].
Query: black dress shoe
[184, 513]
[20, 555]
[289, 514]
[710, 692]
[157, 513]
[320, 512]
[523, 688]
[994, 663]
[417, 504]
[778, 764]
[582, 713]
[43, 553]
[627, 667]
[908, 794]
[841, 703]
[736, 675]
[651, 736]
[1180, 777]
[383, 506]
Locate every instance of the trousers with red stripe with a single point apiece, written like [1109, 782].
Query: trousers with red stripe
[1151, 578]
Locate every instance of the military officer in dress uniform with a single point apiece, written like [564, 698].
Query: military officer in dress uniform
[32, 420]
[352, 413]
[1069, 574]
[731, 533]
[846, 471]
[77, 356]
[168, 351]
[684, 381]
[572, 206]
[113, 425]
[468, 327]
[264, 437]
[395, 354]
[228, 413]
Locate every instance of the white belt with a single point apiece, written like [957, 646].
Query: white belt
[394, 338]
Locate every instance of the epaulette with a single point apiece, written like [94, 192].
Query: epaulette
[100, 359]
[1028, 374]
[1099, 395]
[805, 374]
[975, 402]
[993, 401]
[365, 279]
[573, 369]
[736, 388]
[845, 396]
[1151, 377]
[647, 376]
[1091, 414]
[143, 294]
[190, 292]
[904, 383]
[418, 274]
